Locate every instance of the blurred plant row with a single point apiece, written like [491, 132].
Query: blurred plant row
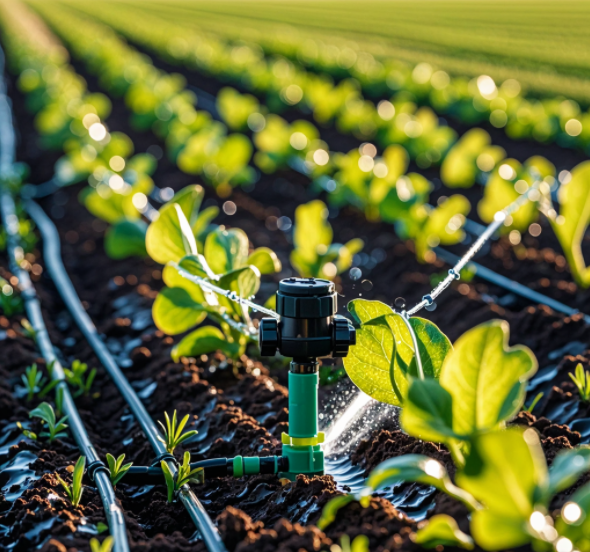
[375, 183]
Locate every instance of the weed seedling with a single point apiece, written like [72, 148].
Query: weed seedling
[531, 406]
[77, 378]
[581, 380]
[173, 432]
[105, 546]
[185, 475]
[28, 330]
[74, 491]
[54, 428]
[116, 467]
[35, 382]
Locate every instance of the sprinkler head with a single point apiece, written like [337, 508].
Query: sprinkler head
[309, 327]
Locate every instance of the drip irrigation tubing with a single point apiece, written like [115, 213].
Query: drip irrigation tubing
[96, 469]
[57, 271]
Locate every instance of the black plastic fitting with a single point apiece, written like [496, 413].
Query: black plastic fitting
[309, 326]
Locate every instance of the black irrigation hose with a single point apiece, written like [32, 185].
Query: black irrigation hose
[510, 285]
[96, 469]
[54, 264]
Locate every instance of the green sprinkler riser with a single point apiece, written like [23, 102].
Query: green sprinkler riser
[303, 405]
[305, 459]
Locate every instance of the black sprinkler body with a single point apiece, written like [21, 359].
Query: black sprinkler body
[308, 329]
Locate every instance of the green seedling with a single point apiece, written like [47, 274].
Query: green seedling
[581, 380]
[105, 546]
[116, 468]
[76, 376]
[59, 401]
[173, 435]
[359, 544]
[35, 383]
[315, 255]
[74, 491]
[535, 401]
[55, 429]
[185, 475]
[176, 239]
[10, 302]
[101, 527]
[28, 330]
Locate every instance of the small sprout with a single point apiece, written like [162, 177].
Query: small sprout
[26, 432]
[173, 432]
[46, 413]
[36, 383]
[101, 527]
[106, 546]
[185, 475]
[75, 377]
[59, 401]
[535, 401]
[28, 330]
[116, 468]
[74, 491]
[10, 302]
[582, 381]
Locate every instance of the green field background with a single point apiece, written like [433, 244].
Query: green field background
[544, 44]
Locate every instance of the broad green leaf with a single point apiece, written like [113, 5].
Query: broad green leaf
[374, 357]
[189, 199]
[574, 522]
[193, 264]
[104, 204]
[245, 282]
[45, 412]
[480, 374]
[126, 238]
[265, 260]
[234, 154]
[203, 340]
[142, 163]
[566, 469]
[347, 252]
[331, 509]
[571, 225]
[444, 225]
[442, 530]
[202, 226]
[167, 238]
[427, 412]
[418, 468]
[500, 192]
[396, 160]
[313, 234]
[175, 311]
[503, 471]
[226, 250]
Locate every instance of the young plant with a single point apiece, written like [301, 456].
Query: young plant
[55, 428]
[504, 482]
[28, 330]
[534, 402]
[27, 433]
[10, 302]
[76, 376]
[35, 383]
[315, 256]
[184, 475]
[74, 491]
[176, 239]
[116, 468]
[173, 435]
[581, 380]
[105, 546]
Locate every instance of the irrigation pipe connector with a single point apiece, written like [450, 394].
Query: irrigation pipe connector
[95, 467]
[56, 269]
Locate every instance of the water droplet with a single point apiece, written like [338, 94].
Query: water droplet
[367, 285]
[430, 308]
[355, 273]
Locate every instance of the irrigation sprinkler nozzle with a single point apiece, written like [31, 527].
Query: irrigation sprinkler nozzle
[308, 329]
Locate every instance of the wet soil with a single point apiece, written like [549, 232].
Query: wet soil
[239, 407]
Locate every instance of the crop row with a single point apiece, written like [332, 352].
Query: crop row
[377, 184]
[278, 54]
